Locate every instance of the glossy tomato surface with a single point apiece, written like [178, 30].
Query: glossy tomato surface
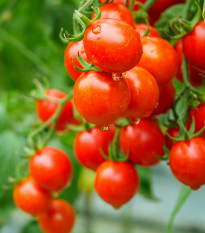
[187, 162]
[108, 41]
[142, 141]
[141, 28]
[99, 99]
[144, 92]
[51, 168]
[116, 182]
[59, 218]
[30, 197]
[159, 58]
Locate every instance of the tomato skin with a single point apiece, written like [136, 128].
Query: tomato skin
[142, 141]
[30, 197]
[144, 92]
[99, 99]
[87, 146]
[141, 28]
[155, 50]
[106, 41]
[116, 182]
[60, 217]
[71, 55]
[194, 46]
[173, 132]
[187, 162]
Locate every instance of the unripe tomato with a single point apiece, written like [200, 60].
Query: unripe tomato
[144, 92]
[30, 197]
[142, 141]
[99, 99]
[187, 162]
[116, 182]
[59, 218]
[159, 58]
[141, 28]
[106, 42]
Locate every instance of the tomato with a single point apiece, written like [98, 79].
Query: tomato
[71, 55]
[142, 141]
[106, 42]
[46, 109]
[87, 146]
[116, 11]
[141, 28]
[187, 162]
[173, 132]
[144, 92]
[195, 78]
[30, 197]
[194, 46]
[99, 99]
[59, 218]
[116, 182]
[166, 98]
[159, 58]
[51, 168]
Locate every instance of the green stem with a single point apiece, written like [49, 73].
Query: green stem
[187, 9]
[85, 5]
[127, 3]
[115, 143]
[148, 4]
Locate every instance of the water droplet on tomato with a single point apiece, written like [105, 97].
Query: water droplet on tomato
[136, 121]
[117, 77]
[96, 29]
[104, 128]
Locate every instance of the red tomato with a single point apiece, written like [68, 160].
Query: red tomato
[141, 28]
[194, 46]
[51, 168]
[87, 146]
[173, 132]
[187, 162]
[106, 43]
[195, 78]
[116, 182]
[166, 98]
[123, 2]
[116, 11]
[71, 55]
[46, 109]
[144, 92]
[142, 141]
[99, 99]
[59, 218]
[30, 197]
[159, 58]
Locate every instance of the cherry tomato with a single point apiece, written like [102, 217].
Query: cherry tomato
[123, 2]
[194, 46]
[99, 99]
[144, 92]
[106, 42]
[116, 182]
[166, 98]
[159, 58]
[59, 218]
[46, 109]
[141, 28]
[116, 11]
[187, 162]
[71, 55]
[142, 141]
[88, 143]
[51, 168]
[30, 197]
[173, 132]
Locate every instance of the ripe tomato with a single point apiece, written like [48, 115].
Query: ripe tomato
[187, 162]
[99, 99]
[71, 55]
[116, 11]
[46, 109]
[141, 28]
[144, 92]
[174, 133]
[166, 98]
[142, 141]
[159, 58]
[106, 42]
[116, 182]
[30, 197]
[88, 143]
[194, 46]
[59, 218]
[51, 168]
